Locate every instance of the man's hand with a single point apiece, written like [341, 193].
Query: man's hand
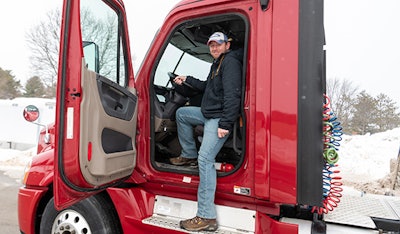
[179, 79]
[222, 132]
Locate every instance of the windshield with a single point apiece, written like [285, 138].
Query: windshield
[181, 63]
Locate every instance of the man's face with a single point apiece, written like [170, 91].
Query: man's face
[217, 49]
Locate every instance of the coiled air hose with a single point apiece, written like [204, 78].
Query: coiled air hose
[332, 134]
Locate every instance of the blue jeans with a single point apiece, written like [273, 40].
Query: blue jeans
[187, 118]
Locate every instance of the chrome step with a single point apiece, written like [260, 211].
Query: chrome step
[173, 223]
[169, 211]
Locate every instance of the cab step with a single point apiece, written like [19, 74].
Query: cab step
[169, 211]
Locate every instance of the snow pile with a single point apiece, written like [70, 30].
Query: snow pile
[366, 161]
[367, 157]
[13, 162]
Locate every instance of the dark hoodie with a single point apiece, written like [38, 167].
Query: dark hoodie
[222, 89]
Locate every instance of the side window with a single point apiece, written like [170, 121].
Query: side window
[101, 41]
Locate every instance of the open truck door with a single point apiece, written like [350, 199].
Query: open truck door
[96, 101]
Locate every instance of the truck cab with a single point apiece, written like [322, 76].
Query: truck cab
[106, 166]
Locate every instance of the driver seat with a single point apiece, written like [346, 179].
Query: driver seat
[234, 140]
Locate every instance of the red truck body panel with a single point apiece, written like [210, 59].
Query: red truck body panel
[268, 172]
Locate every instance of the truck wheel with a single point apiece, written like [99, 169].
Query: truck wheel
[92, 215]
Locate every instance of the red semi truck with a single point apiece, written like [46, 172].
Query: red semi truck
[103, 167]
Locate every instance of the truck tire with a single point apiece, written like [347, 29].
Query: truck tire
[92, 215]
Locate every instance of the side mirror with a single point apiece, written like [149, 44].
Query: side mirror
[91, 53]
[31, 114]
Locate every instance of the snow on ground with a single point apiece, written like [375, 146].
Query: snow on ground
[364, 161]
[368, 157]
[13, 162]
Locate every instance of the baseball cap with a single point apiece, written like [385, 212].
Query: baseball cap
[218, 37]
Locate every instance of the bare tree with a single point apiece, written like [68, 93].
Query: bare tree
[44, 40]
[342, 94]
[103, 32]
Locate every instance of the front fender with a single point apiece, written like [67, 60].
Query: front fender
[41, 171]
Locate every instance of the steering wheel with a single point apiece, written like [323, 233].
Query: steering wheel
[172, 77]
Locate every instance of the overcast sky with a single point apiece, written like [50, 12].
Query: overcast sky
[363, 44]
[362, 36]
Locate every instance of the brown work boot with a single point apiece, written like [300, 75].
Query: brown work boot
[199, 224]
[180, 161]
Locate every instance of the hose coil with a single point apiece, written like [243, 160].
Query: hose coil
[331, 185]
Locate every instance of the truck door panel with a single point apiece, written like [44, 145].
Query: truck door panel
[107, 118]
[96, 101]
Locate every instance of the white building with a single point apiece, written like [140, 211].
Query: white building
[15, 131]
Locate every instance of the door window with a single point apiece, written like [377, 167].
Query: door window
[100, 31]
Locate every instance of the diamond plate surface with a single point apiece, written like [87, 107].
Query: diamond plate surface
[395, 205]
[357, 211]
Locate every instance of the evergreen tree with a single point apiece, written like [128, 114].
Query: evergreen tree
[9, 86]
[363, 120]
[34, 87]
[387, 116]
[360, 113]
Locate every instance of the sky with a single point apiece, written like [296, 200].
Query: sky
[363, 44]
[362, 38]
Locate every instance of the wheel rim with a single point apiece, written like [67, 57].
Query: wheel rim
[70, 222]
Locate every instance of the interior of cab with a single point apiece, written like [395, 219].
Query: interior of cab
[186, 53]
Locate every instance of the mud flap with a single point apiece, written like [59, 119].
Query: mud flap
[318, 224]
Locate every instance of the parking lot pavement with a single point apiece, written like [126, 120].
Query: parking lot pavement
[8, 205]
